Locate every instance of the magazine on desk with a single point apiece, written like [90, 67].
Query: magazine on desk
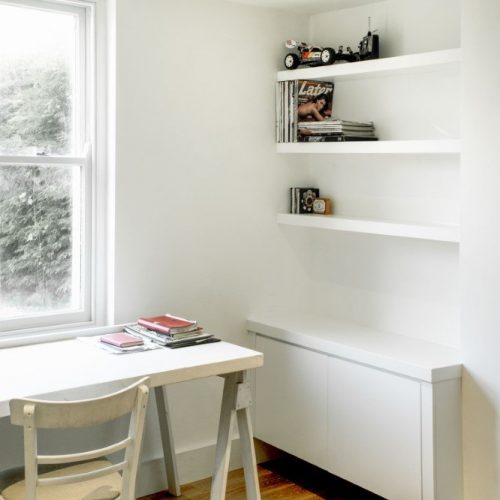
[99, 344]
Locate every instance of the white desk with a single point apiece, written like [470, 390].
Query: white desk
[44, 369]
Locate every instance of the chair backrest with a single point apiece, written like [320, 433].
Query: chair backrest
[35, 414]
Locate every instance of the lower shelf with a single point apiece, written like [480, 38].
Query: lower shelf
[385, 228]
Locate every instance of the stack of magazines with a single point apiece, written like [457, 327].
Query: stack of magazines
[301, 100]
[171, 331]
[335, 130]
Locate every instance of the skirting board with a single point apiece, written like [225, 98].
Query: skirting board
[194, 465]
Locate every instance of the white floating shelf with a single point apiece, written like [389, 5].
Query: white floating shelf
[401, 64]
[345, 339]
[372, 147]
[336, 223]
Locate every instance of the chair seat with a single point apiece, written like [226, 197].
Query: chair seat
[102, 488]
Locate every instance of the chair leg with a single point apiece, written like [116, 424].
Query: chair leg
[167, 440]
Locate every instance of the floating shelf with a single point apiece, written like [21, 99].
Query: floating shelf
[372, 147]
[385, 228]
[389, 65]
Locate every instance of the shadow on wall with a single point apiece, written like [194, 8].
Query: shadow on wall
[485, 437]
[11, 447]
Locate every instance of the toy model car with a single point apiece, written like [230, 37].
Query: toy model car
[317, 56]
[308, 54]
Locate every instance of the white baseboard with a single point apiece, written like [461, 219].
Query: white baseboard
[193, 465]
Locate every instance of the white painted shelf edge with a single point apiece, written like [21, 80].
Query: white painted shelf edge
[398, 354]
[393, 65]
[440, 146]
[384, 228]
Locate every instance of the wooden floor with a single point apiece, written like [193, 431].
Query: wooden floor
[285, 478]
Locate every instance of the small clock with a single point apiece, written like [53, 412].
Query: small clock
[322, 206]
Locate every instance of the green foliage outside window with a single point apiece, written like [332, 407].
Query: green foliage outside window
[35, 201]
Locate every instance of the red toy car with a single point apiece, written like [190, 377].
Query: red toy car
[308, 54]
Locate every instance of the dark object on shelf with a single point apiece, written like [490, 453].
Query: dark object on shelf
[302, 199]
[369, 47]
[311, 55]
[335, 138]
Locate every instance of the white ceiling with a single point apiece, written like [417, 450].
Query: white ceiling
[306, 6]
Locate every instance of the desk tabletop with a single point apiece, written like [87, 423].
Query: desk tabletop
[44, 369]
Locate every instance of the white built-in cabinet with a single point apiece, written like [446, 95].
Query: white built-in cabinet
[374, 437]
[291, 405]
[376, 409]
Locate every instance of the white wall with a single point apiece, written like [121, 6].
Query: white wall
[398, 285]
[198, 182]
[404, 26]
[480, 249]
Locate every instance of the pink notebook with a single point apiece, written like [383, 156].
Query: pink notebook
[168, 324]
[121, 339]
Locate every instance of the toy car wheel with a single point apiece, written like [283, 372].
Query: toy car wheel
[327, 56]
[291, 61]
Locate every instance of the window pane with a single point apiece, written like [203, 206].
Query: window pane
[40, 227]
[37, 81]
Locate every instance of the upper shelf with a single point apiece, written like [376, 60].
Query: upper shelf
[373, 147]
[388, 65]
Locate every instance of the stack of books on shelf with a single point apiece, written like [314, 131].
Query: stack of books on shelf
[171, 331]
[335, 130]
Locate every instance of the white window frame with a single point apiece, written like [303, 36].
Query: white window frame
[96, 185]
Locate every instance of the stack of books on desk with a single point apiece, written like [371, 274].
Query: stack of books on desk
[335, 130]
[171, 331]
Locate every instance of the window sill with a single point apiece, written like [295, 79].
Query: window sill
[42, 335]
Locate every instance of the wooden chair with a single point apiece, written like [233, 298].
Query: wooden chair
[85, 475]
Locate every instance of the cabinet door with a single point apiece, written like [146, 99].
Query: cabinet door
[291, 405]
[374, 430]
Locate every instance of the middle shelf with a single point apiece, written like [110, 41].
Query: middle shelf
[368, 226]
[373, 147]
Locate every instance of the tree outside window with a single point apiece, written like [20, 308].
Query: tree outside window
[38, 201]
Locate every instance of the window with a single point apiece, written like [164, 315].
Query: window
[47, 171]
